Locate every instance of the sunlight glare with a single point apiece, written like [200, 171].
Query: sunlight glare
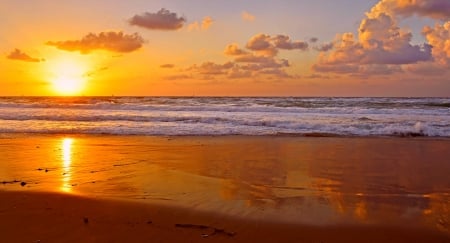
[68, 76]
[66, 163]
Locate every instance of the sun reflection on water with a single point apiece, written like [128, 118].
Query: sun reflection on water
[66, 148]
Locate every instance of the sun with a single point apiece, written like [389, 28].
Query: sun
[68, 76]
[68, 85]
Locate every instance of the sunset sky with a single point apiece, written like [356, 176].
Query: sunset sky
[225, 48]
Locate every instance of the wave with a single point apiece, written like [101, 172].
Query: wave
[151, 102]
[230, 127]
[405, 117]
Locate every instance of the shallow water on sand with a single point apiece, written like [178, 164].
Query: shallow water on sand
[317, 181]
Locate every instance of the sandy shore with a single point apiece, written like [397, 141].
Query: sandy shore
[60, 188]
[51, 217]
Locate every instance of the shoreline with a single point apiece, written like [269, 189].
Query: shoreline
[52, 217]
[277, 135]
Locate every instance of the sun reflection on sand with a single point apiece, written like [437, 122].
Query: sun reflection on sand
[66, 148]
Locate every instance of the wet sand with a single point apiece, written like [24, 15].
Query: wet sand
[45, 217]
[223, 189]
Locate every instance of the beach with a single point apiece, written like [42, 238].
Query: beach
[103, 188]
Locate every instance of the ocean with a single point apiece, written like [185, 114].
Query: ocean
[312, 116]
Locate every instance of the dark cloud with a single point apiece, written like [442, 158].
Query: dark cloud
[268, 46]
[95, 71]
[177, 77]
[284, 42]
[439, 9]
[161, 20]
[108, 41]
[21, 56]
[324, 47]
[167, 65]
[313, 39]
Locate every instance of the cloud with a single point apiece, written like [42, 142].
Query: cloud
[204, 25]
[237, 72]
[438, 9]
[207, 22]
[246, 16]
[259, 42]
[211, 68]
[258, 59]
[234, 70]
[234, 50]
[108, 41]
[439, 37]
[269, 46]
[21, 56]
[284, 42]
[95, 71]
[313, 39]
[358, 70]
[382, 44]
[193, 26]
[427, 69]
[277, 72]
[167, 65]
[324, 47]
[161, 20]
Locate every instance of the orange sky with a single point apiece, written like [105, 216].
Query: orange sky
[281, 48]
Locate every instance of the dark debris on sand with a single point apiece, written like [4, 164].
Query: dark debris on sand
[215, 231]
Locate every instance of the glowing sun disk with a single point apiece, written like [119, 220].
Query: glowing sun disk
[68, 76]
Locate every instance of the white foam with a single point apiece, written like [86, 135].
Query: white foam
[221, 116]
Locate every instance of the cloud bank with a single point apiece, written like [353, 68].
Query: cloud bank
[259, 58]
[108, 41]
[383, 47]
[161, 20]
[21, 56]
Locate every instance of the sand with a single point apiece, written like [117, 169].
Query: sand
[46, 217]
[223, 189]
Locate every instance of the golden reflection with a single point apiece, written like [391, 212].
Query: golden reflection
[66, 148]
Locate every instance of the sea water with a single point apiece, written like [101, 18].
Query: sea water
[312, 116]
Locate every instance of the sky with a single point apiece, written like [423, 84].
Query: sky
[225, 48]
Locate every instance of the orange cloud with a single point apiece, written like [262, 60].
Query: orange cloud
[21, 56]
[258, 59]
[109, 41]
[207, 22]
[439, 9]
[382, 47]
[439, 38]
[246, 16]
[161, 20]
[234, 50]
[204, 25]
